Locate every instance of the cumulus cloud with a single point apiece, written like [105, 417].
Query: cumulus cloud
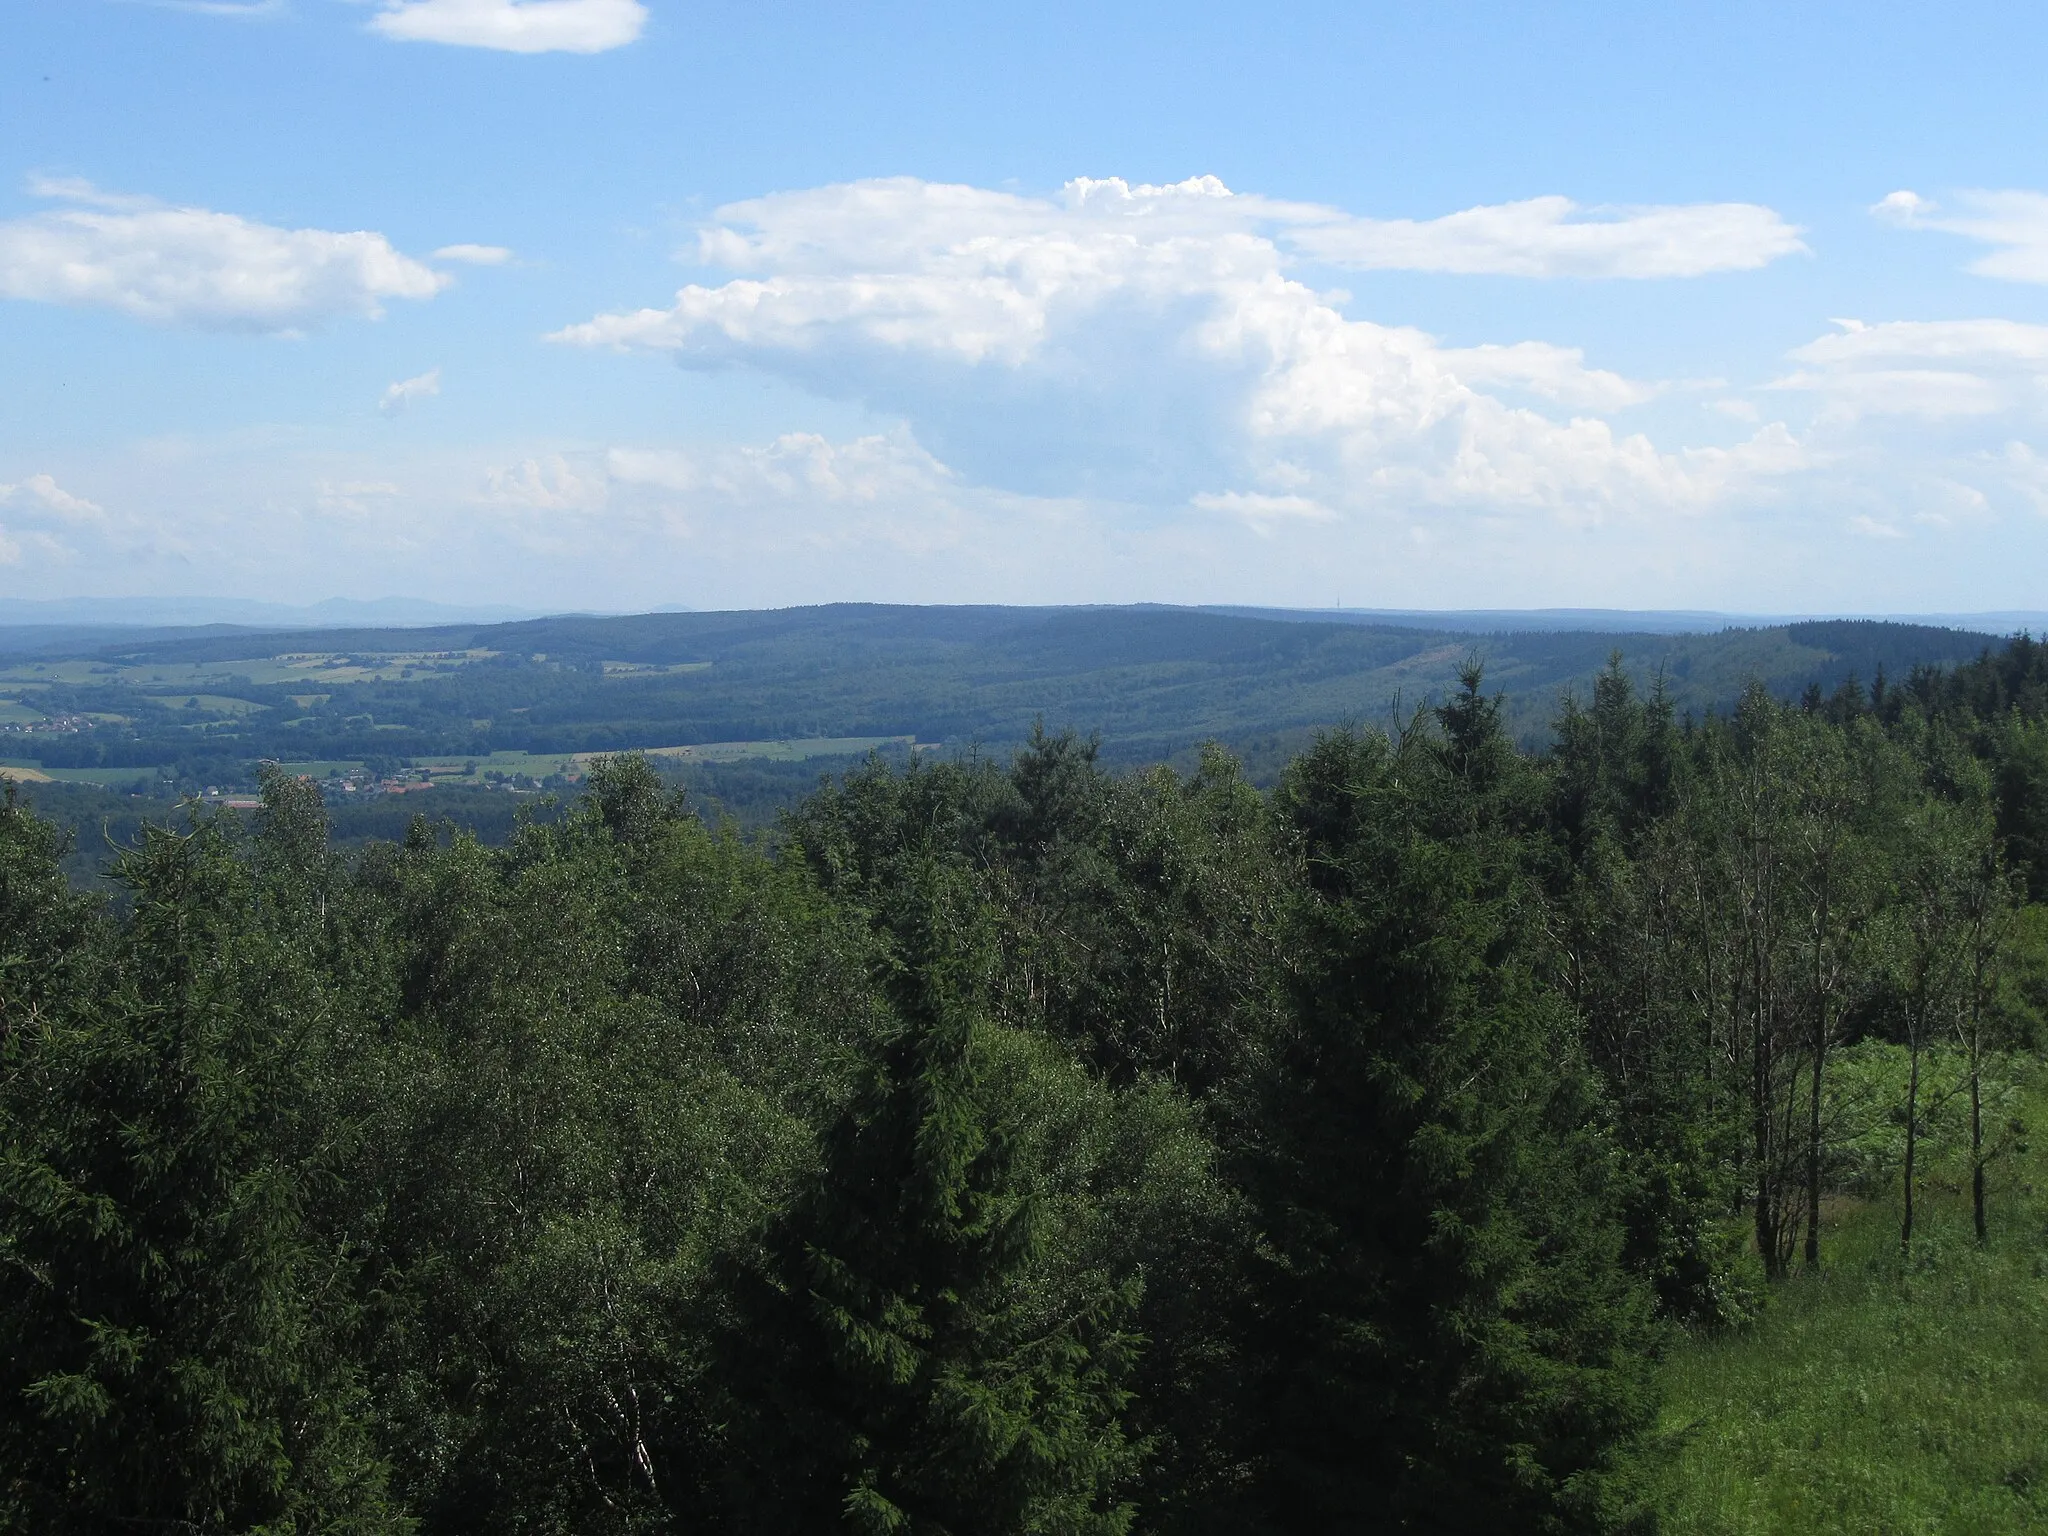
[550, 484]
[1926, 368]
[42, 493]
[1262, 513]
[39, 499]
[475, 255]
[196, 267]
[402, 394]
[1553, 373]
[1146, 343]
[515, 26]
[801, 468]
[2014, 223]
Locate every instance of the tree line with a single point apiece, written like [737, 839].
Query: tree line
[1011, 1147]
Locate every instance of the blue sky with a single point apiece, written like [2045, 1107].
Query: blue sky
[622, 303]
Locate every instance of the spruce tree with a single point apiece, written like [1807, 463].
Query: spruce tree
[1450, 1334]
[906, 1361]
[169, 1350]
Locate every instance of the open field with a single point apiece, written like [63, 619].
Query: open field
[1884, 1394]
[104, 778]
[791, 750]
[652, 668]
[291, 667]
[217, 703]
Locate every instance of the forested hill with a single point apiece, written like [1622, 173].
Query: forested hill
[1153, 682]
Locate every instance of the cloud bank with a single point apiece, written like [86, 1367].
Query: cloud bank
[196, 267]
[515, 26]
[1157, 344]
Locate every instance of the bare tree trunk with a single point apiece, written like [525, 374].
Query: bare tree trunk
[1760, 1132]
[1813, 1105]
[1912, 1133]
[1813, 1154]
[1977, 1146]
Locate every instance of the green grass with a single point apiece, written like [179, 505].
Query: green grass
[216, 703]
[1883, 1395]
[788, 751]
[310, 666]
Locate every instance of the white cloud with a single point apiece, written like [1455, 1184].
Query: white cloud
[1142, 343]
[2015, 223]
[42, 492]
[402, 394]
[192, 266]
[1553, 373]
[1544, 237]
[1933, 369]
[795, 465]
[515, 26]
[1263, 513]
[475, 255]
[548, 484]
[1555, 237]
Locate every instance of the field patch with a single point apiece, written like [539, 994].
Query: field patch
[215, 703]
[653, 668]
[792, 750]
[29, 771]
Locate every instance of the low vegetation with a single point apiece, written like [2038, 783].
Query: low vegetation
[1885, 1391]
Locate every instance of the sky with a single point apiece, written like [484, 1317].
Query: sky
[621, 304]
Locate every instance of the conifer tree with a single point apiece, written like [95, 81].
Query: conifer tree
[1450, 1331]
[169, 1350]
[906, 1363]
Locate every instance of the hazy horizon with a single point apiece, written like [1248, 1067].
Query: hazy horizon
[400, 612]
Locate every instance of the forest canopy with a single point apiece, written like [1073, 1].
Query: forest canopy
[1004, 1146]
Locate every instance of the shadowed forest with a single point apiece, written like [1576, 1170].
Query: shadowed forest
[1452, 1137]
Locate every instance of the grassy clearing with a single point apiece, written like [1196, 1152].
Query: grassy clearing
[791, 751]
[215, 703]
[1885, 1394]
[536, 765]
[653, 668]
[312, 666]
[30, 771]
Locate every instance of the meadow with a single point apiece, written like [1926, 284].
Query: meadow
[1887, 1392]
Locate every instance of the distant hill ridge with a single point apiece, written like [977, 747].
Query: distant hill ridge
[1154, 682]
